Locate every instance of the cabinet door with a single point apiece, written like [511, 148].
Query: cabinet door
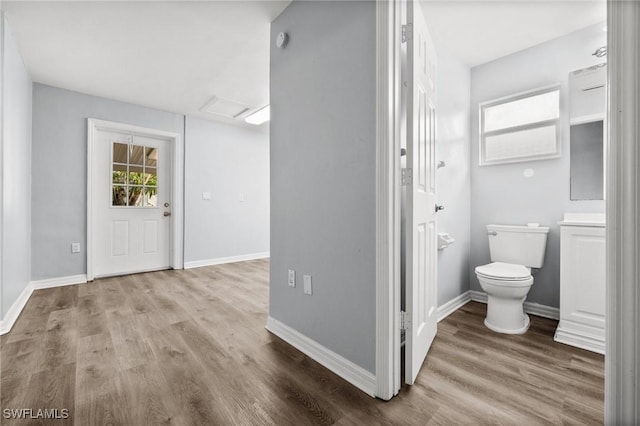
[583, 289]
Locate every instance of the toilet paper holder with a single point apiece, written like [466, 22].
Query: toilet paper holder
[444, 240]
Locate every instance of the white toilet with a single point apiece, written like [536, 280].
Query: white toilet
[507, 280]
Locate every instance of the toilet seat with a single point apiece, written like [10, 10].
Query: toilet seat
[500, 271]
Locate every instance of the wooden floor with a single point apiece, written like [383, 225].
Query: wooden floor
[189, 347]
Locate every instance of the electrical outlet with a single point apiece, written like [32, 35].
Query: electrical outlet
[307, 284]
[292, 278]
[75, 247]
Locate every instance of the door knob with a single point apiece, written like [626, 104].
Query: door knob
[438, 208]
[167, 214]
[166, 204]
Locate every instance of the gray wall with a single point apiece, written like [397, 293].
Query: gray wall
[59, 161]
[323, 174]
[453, 181]
[16, 173]
[225, 161]
[501, 194]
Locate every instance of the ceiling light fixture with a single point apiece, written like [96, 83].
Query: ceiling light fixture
[260, 116]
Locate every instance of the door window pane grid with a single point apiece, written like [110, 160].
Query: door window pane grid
[134, 176]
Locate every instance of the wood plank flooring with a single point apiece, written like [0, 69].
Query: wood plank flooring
[189, 348]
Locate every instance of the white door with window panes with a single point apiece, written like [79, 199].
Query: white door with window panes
[131, 203]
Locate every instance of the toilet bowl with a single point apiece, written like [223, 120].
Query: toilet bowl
[507, 280]
[507, 286]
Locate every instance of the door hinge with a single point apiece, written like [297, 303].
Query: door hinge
[406, 176]
[407, 32]
[404, 320]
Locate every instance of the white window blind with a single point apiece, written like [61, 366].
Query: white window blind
[522, 127]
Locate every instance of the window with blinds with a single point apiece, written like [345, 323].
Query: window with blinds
[523, 127]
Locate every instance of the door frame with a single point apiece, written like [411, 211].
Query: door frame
[388, 193]
[622, 360]
[176, 231]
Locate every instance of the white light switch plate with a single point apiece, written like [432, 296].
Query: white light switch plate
[206, 195]
[307, 284]
[292, 278]
[75, 247]
[241, 197]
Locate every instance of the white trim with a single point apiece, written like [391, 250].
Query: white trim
[511, 98]
[2, 174]
[222, 260]
[583, 119]
[529, 307]
[59, 282]
[622, 360]
[453, 305]
[387, 377]
[478, 296]
[354, 374]
[543, 311]
[177, 175]
[89, 243]
[16, 308]
[177, 203]
[579, 340]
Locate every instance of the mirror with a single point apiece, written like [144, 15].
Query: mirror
[587, 91]
[587, 161]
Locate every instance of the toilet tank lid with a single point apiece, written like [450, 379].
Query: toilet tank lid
[507, 271]
[518, 228]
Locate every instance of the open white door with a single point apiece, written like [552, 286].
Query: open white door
[419, 177]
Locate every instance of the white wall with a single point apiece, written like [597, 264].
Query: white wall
[501, 194]
[225, 161]
[323, 87]
[16, 172]
[453, 79]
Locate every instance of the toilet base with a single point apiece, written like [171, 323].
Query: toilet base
[506, 314]
[521, 330]
[505, 300]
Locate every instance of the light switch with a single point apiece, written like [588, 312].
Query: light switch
[75, 247]
[307, 284]
[206, 195]
[241, 197]
[292, 278]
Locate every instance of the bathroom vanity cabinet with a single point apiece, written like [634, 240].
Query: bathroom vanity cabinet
[582, 282]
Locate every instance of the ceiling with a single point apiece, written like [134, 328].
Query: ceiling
[479, 31]
[173, 56]
[176, 56]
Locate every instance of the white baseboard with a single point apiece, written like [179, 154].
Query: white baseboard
[529, 307]
[478, 296]
[453, 305]
[59, 282]
[580, 340]
[221, 260]
[542, 310]
[14, 311]
[354, 374]
[16, 308]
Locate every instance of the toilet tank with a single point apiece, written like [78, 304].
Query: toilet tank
[522, 245]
